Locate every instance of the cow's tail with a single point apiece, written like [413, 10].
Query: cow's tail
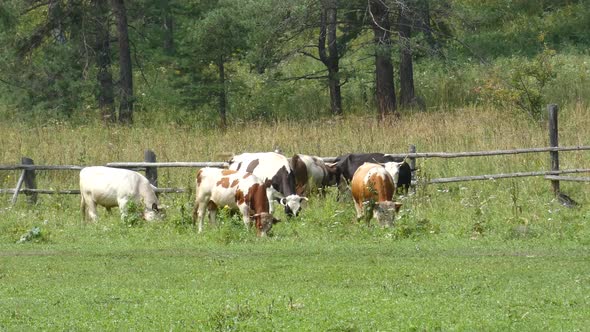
[196, 205]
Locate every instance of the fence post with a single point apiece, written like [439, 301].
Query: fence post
[553, 142]
[151, 173]
[30, 180]
[413, 162]
[19, 184]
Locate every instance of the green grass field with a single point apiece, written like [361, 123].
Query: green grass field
[491, 255]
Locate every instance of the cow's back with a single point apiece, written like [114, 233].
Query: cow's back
[349, 163]
[105, 185]
[267, 166]
[372, 182]
[230, 187]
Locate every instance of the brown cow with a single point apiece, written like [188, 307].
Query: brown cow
[373, 188]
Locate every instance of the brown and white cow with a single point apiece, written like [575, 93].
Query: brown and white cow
[276, 168]
[373, 189]
[111, 187]
[238, 190]
[349, 163]
[312, 173]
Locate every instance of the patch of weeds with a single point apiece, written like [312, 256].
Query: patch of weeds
[35, 235]
[184, 217]
[479, 223]
[230, 318]
[407, 226]
[132, 215]
[519, 225]
[344, 326]
[231, 227]
[479, 218]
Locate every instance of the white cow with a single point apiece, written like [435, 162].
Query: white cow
[112, 187]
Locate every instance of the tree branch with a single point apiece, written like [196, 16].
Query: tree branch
[310, 55]
[314, 76]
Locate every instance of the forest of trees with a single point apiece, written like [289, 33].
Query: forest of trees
[218, 60]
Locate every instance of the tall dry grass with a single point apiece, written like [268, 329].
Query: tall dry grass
[467, 129]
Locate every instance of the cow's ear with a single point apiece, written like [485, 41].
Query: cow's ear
[275, 221]
[304, 199]
[155, 207]
[398, 205]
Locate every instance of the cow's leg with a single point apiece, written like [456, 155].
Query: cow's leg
[122, 202]
[212, 207]
[200, 209]
[343, 190]
[83, 207]
[359, 210]
[91, 210]
[274, 197]
[245, 211]
[271, 202]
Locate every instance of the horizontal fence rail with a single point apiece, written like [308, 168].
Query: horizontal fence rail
[223, 164]
[505, 176]
[41, 167]
[77, 191]
[198, 164]
[567, 178]
[478, 153]
[549, 175]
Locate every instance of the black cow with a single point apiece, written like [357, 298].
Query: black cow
[349, 163]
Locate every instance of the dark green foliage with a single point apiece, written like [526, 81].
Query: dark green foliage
[48, 65]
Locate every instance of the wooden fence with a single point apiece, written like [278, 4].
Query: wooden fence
[150, 166]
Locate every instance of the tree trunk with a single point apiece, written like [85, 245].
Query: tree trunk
[424, 24]
[406, 71]
[330, 57]
[54, 12]
[105, 95]
[126, 75]
[222, 94]
[168, 27]
[384, 85]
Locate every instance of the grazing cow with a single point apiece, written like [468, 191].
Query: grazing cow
[238, 190]
[112, 187]
[373, 188]
[349, 163]
[312, 173]
[276, 168]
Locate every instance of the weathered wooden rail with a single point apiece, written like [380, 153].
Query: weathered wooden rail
[150, 166]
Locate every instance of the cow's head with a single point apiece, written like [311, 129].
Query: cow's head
[392, 168]
[334, 174]
[264, 222]
[292, 204]
[155, 212]
[385, 212]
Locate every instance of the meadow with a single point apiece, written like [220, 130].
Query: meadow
[487, 255]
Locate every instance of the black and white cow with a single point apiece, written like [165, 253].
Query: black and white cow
[275, 167]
